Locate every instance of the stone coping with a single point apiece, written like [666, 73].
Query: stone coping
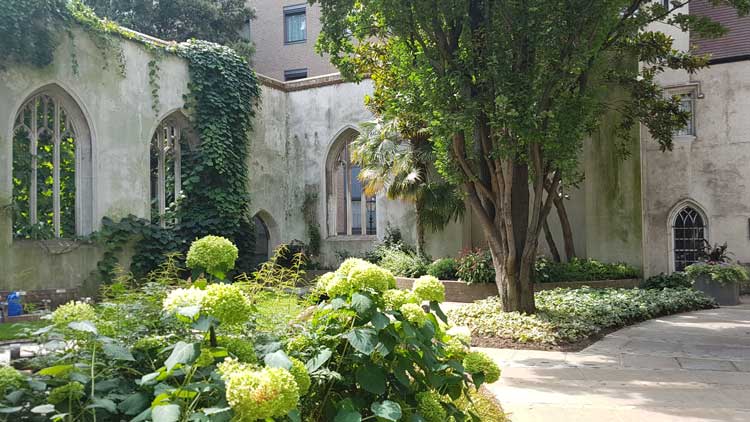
[459, 291]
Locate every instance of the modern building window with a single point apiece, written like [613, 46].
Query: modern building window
[294, 74]
[51, 168]
[295, 24]
[687, 103]
[689, 232]
[351, 211]
[169, 146]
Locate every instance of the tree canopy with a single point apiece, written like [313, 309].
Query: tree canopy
[219, 21]
[510, 90]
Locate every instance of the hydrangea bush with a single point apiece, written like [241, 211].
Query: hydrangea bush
[171, 351]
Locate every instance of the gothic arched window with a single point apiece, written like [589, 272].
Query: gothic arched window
[169, 146]
[350, 211]
[51, 168]
[689, 232]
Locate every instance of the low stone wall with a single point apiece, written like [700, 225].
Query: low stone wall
[458, 291]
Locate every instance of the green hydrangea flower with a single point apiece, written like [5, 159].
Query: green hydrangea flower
[413, 313]
[299, 372]
[10, 379]
[350, 263]
[455, 349]
[227, 303]
[70, 391]
[298, 344]
[215, 255]
[183, 298]
[430, 406]
[73, 311]
[324, 280]
[371, 276]
[429, 288]
[258, 394]
[242, 349]
[478, 362]
[394, 298]
[206, 358]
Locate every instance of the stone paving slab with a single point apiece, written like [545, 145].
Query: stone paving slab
[692, 367]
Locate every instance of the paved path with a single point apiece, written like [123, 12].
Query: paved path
[688, 367]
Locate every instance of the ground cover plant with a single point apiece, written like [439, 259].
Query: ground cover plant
[165, 349]
[578, 269]
[572, 315]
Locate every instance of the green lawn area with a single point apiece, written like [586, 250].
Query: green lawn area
[18, 330]
[567, 316]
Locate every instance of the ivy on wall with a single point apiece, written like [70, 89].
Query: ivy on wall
[223, 92]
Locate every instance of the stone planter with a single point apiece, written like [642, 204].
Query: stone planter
[725, 294]
[458, 291]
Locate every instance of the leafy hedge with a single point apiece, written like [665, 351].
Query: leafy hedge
[667, 281]
[581, 270]
[570, 315]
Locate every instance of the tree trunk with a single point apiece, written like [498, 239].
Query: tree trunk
[551, 242]
[420, 231]
[562, 214]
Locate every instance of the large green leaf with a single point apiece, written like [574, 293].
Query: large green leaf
[318, 360]
[85, 326]
[56, 371]
[278, 359]
[371, 378]
[380, 320]
[165, 413]
[105, 404]
[134, 404]
[183, 353]
[117, 352]
[362, 339]
[346, 415]
[361, 303]
[388, 410]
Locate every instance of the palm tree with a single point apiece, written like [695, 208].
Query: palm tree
[395, 159]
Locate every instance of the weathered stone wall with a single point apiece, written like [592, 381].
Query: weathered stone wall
[710, 169]
[118, 111]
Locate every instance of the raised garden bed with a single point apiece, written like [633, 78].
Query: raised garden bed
[458, 291]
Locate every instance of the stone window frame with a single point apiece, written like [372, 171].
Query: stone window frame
[175, 126]
[333, 160]
[694, 91]
[84, 166]
[672, 218]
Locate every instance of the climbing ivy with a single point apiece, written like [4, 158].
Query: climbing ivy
[223, 92]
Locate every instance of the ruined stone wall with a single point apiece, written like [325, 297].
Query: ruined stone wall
[118, 112]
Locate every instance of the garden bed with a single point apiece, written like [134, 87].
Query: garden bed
[459, 291]
[571, 319]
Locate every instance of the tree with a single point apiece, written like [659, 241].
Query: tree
[511, 90]
[396, 159]
[219, 21]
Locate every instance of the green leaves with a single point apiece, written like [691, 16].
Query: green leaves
[165, 413]
[183, 353]
[362, 339]
[346, 415]
[388, 410]
[117, 352]
[372, 378]
[318, 360]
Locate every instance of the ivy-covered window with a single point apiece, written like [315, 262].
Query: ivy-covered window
[353, 212]
[51, 169]
[170, 147]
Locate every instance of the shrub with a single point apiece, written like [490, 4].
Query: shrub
[675, 280]
[570, 315]
[720, 272]
[476, 266]
[403, 264]
[443, 269]
[577, 269]
[214, 255]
